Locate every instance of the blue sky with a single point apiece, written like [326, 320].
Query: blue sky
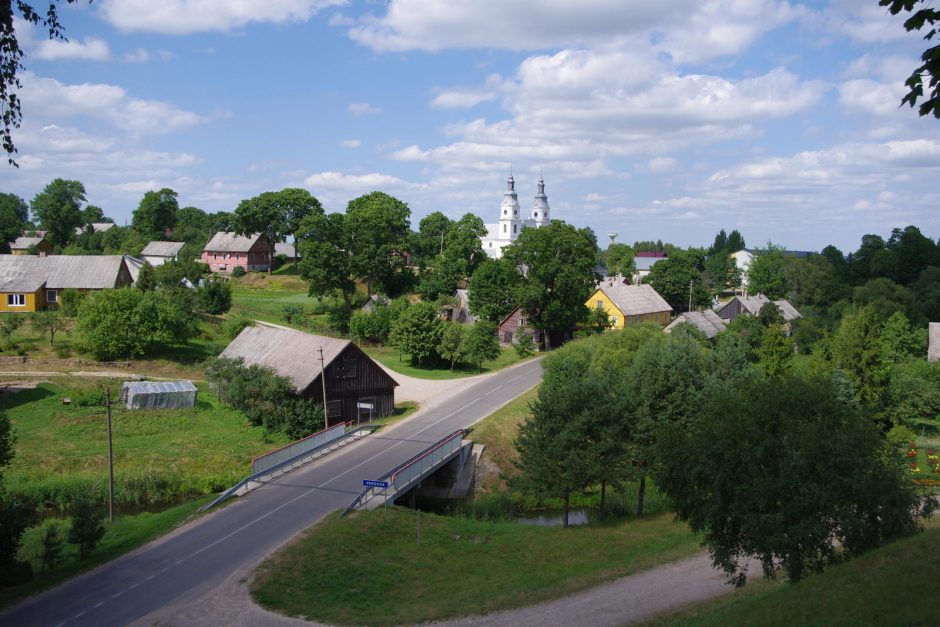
[665, 120]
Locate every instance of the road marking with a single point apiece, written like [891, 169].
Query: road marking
[98, 604]
[133, 586]
[149, 577]
[80, 614]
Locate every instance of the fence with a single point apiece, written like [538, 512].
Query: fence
[412, 469]
[289, 451]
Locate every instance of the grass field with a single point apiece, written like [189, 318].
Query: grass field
[124, 534]
[894, 585]
[392, 359]
[161, 457]
[369, 569]
[497, 433]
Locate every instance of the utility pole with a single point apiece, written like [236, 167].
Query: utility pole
[107, 404]
[691, 283]
[326, 422]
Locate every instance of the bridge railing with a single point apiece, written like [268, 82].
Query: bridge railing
[407, 472]
[292, 450]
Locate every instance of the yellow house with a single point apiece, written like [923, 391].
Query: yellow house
[22, 295]
[28, 245]
[629, 304]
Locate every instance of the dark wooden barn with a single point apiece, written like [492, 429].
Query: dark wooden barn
[353, 380]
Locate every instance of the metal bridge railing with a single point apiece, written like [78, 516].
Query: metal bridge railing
[289, 451]
[414, 468]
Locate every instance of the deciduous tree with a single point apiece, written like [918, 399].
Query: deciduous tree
[156, 213]
[492, 289]
[13, 216]
[377, 228]
[417, 332]
[766, 274]
[482, 343]
[926, 75]
[58, 209]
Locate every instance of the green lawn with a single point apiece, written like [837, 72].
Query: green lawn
[369, 569]
[124, 534]
[894, 585]
[390, 358]
[498, 432]
[160, 456]
[260, 297]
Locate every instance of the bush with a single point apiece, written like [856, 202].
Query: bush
[292, 313]
[63, 352]
[215, 297]
[87, 528]
[233, 326]
[69, 302]
[87, 398]
[524, 345]
[238, 271]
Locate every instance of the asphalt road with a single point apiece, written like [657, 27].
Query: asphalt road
[187, 563]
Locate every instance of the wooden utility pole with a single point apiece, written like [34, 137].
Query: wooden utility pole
[691, 283]
[326, 422]
[107, 404]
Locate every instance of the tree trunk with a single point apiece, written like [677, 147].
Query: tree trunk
[567, 501]
[641, 496]
[603, 497]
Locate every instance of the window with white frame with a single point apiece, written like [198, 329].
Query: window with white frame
[16, 300]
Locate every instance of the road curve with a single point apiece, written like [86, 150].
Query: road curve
[182, 566]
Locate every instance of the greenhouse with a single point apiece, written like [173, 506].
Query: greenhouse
[158, 394]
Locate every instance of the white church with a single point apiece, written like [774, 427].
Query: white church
[511, 223]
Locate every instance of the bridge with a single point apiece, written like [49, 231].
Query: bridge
[180, 571]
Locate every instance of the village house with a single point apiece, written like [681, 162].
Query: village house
[158, 253]
[515, 324]
[629, 304]
[751, 306]
[227, 251]
[355, 384]
[30, 283]
[708, 322]
[643, 262]
[375, 300]
[459, 311]
[744, 257]
[94, 227]
[28, 245]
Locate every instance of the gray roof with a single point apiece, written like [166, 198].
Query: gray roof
[20, 284]
[283, 248]
[25, 243]
[708, 322]
[86, 272]
[162, 249]
[753, 305]
[288, 352]
[634, 300]
[96, 227]
[133, 266]
[156, 387]
[231, 243]
[646, 263]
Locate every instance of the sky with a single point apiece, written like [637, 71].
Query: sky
[654, 120]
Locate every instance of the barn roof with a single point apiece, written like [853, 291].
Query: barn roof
[231, 243]
[25, 243]
[708, 322]
[634, 300]
[162, 249]
[753, 305]
[283, 248]
[288, 352]
[83, 272]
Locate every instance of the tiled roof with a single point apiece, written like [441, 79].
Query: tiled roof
[162, 249]
[231, 243]
[86, 272]
[634, 300]
[708, 322]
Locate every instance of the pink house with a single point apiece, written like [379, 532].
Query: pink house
[226, 251]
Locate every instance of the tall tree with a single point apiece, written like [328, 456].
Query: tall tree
[417, 332]
[297, 203]
[492, 289]
[620, 260]
[325, 262]
[766, 274]
[929, 71]
[557, 265]
[156, 213]
[11, 60]
[428, 242]
[377, 227]
[672, 277]
[58, 209]
[482, 343]
[192, 218]
[735, 241]
[13, 216]
[92, 214]
[731, 474]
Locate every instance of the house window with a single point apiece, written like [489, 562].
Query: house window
[16, 300]
[515, 227]
[504, 228]
[334, 409]
[52, 296]
[522, 321]
[237, 257]
[613, 320]
[600, 304]
[507, 337]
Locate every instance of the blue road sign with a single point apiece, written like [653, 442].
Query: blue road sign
[374, 483]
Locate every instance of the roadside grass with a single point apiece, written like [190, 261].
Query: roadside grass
[497, 432]
[892, 585]
[402, 411]
[392, 359]
[161, 457]
[125, 534]
[368, 569]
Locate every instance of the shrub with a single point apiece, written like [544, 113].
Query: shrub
[292, 313]
[238, 271]
[215, 297]
[233, 326]
[87, 528]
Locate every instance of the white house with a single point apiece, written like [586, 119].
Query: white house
[158, 253]
[511, 222]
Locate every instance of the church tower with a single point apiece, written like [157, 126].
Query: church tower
[510, 223]
[540, 208]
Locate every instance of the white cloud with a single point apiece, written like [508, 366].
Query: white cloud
[350, 143]
[461, 98]
[182, 17]
[48, 98]
[140, 55]
[92, 48]
[351, 182]
[686, 29]
[362, 108]
[658, 165]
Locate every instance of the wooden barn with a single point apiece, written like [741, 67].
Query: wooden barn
[352, 377]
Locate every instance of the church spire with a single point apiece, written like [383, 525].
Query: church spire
[540, 208]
